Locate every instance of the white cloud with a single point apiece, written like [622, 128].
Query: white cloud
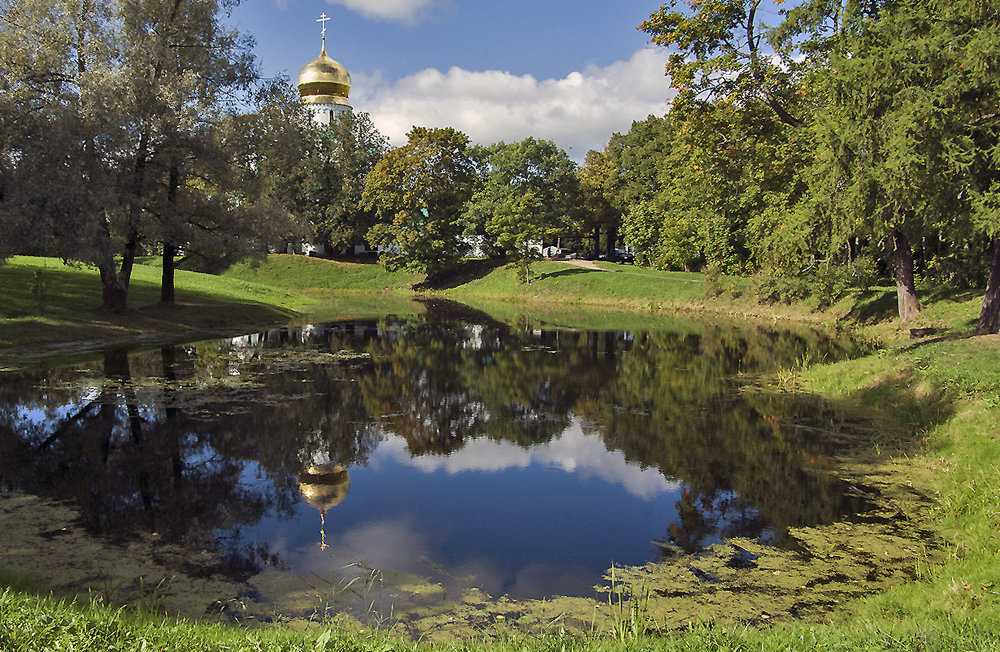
[406, 11]
[578, 112]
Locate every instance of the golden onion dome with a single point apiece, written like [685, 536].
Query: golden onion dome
[324, 81]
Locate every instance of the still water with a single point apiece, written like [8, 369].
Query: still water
[524, 459]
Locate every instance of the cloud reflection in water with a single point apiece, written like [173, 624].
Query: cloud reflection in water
[572, 452]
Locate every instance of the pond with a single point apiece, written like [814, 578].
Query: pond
[447, 451]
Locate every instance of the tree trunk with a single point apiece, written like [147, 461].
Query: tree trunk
[169, 249]
[612, 241]
[906, 293]
[989, 316]
[167, 279]
[597, 241]
[113, 293]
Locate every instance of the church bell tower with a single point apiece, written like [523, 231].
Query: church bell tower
[324, 84]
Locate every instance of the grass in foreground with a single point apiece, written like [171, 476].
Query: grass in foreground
[31, 624]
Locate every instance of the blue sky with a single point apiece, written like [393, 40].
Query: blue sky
[573, 72]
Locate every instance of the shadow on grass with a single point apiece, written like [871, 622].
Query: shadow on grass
[950, 294]
[880, 304]
[466, 272]
[873, 306]
[569, 272]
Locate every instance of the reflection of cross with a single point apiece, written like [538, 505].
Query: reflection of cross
[322, 19]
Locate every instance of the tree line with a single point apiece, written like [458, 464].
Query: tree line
[853, 139]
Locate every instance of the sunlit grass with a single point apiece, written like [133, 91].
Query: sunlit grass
[29, 623]
[42, 300]
[304, 273]
[563, 282]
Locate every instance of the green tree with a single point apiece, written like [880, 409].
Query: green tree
[316, 174]
[357, 147]
[418, 192]
[274, 156]
[971, 81]
[894, 147]
[204, 210]
[597, 176]
[719, 50]
[117, 92]
[529, 196]
[639, 167]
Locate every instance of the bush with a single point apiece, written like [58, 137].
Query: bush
[713, 279]
[864, 274]
[828, 284]
[770, 286]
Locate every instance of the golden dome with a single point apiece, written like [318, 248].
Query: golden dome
[324, 81]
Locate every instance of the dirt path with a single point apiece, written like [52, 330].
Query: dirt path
[586, 264]
[589, 264]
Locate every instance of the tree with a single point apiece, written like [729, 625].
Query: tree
[972, 37]
[206, 211]
[274, 157]
[418, 192]
[596, 177]
[637, 163]
[718, 53]
[529, 195]
[116, 92]
[894, 148]
[316, 173]
[356, 148]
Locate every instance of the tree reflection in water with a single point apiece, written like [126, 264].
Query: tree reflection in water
[199, 443]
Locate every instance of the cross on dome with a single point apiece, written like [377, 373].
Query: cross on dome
[322, 19]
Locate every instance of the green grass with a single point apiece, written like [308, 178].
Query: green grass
[316, 274]
[30, 623]
[615, 285]
[70, 308]
[961, 455]
[946, 388]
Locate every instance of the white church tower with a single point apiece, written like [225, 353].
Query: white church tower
[324, 84]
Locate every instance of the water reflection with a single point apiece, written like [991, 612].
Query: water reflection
[324, 486]
[527, 458]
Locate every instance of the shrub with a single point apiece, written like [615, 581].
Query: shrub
[713, 279]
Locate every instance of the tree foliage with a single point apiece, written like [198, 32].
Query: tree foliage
[418, 192]
[316, 174]
[118, 99]
[529, 195]
[850, 130]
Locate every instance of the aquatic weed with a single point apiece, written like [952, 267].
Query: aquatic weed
[630, 618]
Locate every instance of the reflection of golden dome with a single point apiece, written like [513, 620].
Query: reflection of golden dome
[324, 81]
[324, 486]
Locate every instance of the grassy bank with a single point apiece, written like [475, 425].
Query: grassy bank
[943, 392]
[44, 301]
[559, 286]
